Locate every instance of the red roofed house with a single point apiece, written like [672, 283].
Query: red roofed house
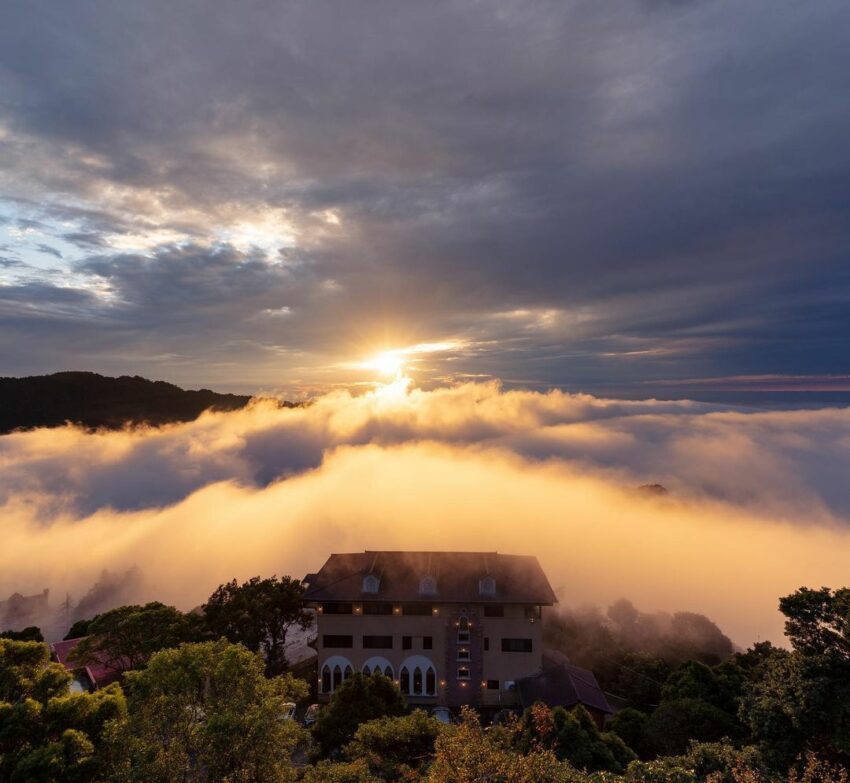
[451, 628]
[86, 678]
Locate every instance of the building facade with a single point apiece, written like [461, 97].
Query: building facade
[450, 628]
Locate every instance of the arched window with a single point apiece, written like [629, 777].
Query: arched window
[337, 677]
[487, 586]
[371, 583]
[463, 630]
[326, 679]
[418, 676]
[377, 664]
[347, 673]
[428, 585]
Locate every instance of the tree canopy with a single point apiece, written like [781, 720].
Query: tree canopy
[258, 614]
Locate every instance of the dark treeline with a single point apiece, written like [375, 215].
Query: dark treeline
[203, 697]
[97, 401]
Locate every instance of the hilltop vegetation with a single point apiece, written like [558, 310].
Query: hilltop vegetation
[202, 699]
[97, 401]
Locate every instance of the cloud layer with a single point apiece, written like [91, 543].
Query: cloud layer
[758, 503]
[577, 195]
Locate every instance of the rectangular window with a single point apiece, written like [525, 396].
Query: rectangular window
[463, 673]
[463, 655]
[492, 685]
[494, 610]
[377, 642]
[516, 645]
[532, 612]
[417, 610]
[338, 641]
[337, 607]
[486, 643]
[376, 607]
[463, 637]
[406, 642]
[427, 643]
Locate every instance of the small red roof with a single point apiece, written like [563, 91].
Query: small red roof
[99, 674]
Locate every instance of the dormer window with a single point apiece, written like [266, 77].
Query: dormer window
[371, 583]
[487, 586]
[428, 586]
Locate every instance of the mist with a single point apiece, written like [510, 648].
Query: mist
[757, 505]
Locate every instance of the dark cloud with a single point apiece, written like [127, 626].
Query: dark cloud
[668, 181]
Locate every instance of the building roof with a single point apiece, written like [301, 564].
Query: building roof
[518, 578]
[99, 674]
[562, 684]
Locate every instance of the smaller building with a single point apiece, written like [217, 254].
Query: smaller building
[563, 684]
[86, 678]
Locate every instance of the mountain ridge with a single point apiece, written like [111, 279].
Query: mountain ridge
[96, 401]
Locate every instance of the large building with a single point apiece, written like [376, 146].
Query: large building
[451, 628]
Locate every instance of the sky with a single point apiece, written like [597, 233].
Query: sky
[634, 199]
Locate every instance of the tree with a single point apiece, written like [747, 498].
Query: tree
[675, 723]
[126, 637]
[395, 747]
[465, 753]
[207, 712]
[818, 621]
[258, 614]
[359, 699]
[630, 726]
[573, 736]
[640, 678]
[340, 772]
[800, 701]
[30, 634]
[47, 734]
[79, 629]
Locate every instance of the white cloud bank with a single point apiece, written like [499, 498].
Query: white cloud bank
[759, 502]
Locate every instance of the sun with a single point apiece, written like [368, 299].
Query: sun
[386, 363]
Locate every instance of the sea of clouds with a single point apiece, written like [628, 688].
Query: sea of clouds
[758, 502]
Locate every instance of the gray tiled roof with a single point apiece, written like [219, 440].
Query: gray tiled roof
[519, 578]
[562, 684]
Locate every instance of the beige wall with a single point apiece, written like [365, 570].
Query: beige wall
[494, 664]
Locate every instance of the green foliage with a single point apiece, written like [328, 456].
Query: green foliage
[640, 679]
[47, 734]
[465, 753]
[800, 701]
[258, 614]
[340, 772]
[393, 747]
[124, 638]
[30, 634]
[630, 725]
[79, 629]
[573, 736]
[358, 700]
[675, 723]
[818, 621]
[206, 712]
